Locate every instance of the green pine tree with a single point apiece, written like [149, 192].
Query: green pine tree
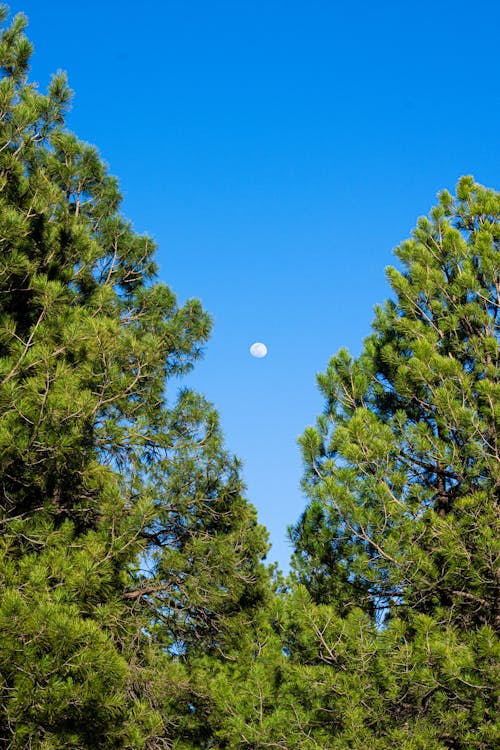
[202, 582]
[127, 548]
[397, 551]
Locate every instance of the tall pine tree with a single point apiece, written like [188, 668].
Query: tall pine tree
[126, 545]
[396, 555]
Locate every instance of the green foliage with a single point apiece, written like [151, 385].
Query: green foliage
[127, 549]
[398, 547]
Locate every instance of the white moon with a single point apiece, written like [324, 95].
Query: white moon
[258, 350]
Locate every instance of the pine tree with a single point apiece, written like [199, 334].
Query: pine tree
[202, 583]
[126, 543]
[398, 547]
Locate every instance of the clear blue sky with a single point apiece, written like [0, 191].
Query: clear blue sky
[277, 152]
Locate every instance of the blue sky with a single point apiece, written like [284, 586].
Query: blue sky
[277, 152]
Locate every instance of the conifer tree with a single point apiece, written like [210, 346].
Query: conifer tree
[396, 555]
[126, 545]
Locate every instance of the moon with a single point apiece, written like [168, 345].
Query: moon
[258, 350]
